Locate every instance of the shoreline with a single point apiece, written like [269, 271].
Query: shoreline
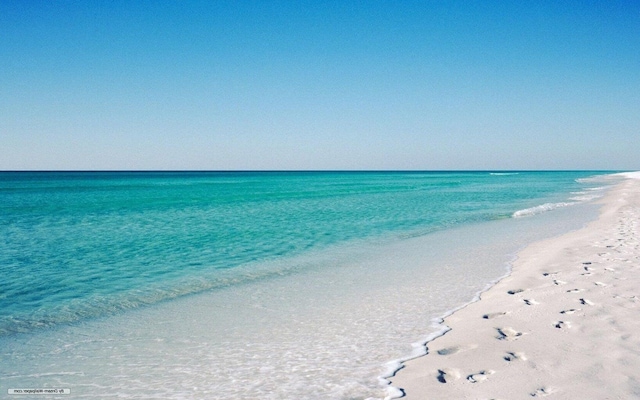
[537, 330]
[318, 332]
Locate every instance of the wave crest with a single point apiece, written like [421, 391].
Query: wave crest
[540, 209]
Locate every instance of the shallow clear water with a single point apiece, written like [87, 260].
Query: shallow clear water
[252, 285]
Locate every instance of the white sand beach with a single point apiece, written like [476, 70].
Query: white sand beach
[565, 323]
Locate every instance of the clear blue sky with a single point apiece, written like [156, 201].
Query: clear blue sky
[319, 85]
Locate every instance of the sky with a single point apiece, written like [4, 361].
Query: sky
[319, 85]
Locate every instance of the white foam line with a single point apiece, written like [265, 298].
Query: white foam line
[540, 209]
[585, 197]
[588, 194]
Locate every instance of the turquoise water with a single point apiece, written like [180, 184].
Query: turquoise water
[77, 245]
[317, 279]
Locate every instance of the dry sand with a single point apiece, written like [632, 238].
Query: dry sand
[565, 324]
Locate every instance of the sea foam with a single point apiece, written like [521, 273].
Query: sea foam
[540, 209]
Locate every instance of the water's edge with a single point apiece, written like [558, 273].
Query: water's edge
[314, 325]
[438, 323]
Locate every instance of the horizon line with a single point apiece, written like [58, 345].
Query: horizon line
[309, 170]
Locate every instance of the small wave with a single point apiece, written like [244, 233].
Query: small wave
[587, 194]
[595, 179]
[503, 173]
[540, 209]
[584, 196]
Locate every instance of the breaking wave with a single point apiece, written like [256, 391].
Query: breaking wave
[540, 209]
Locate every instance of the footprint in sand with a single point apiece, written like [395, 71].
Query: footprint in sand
[562, 324]
[586, 302]
[541, 392]
[480, 376]
[494, 315]
[455, 349]
[516, 355]
[530, 302]
[448, 374]
[508, 334]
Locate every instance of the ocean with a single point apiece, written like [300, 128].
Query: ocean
[242, 285]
